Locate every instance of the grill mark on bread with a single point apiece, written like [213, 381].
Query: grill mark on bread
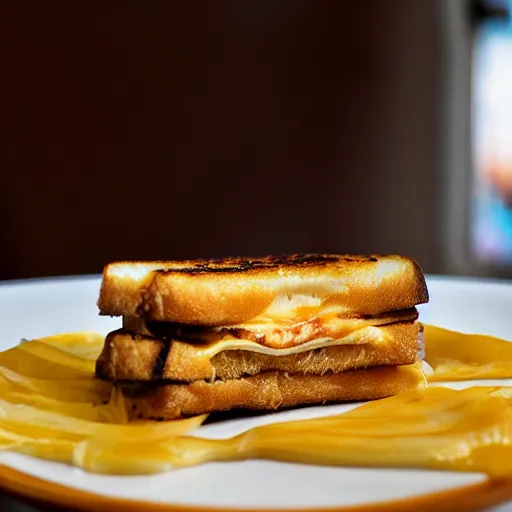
[240, 265]
[161, 359]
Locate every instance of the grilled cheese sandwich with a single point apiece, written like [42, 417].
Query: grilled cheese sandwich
[235, 319]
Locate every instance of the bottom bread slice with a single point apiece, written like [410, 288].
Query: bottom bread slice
[268, 391]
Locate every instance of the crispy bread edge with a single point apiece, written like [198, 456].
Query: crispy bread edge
[233, 291]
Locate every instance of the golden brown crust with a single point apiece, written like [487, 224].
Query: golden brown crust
[233, 291]
[128, 356]
[270, 391]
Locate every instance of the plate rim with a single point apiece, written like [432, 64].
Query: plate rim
[472, 497]
[26, 281]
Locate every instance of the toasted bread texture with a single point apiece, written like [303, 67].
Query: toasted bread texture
[132, 357]
[237, 290]
[268, 391]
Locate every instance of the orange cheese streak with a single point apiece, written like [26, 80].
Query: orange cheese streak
[455, 356]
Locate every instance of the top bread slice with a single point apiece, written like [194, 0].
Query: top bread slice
[236, 290]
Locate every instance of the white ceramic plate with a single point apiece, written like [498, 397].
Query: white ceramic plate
[32, 309]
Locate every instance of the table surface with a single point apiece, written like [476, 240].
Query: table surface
[8, 504]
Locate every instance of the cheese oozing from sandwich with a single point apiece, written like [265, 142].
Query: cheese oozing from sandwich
[287, 323]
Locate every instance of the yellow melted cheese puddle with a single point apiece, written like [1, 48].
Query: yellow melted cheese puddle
[363, 336]
[52, 407]
[455, 356]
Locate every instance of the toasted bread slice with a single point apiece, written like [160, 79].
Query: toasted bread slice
[128, 356]
[235, 291]
[268, 391]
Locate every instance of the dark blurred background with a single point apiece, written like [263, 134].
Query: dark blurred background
[160, 130]
[202, 129]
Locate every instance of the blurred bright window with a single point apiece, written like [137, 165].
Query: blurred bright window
[491, 212]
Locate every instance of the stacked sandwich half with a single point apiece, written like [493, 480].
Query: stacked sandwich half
[204, 336]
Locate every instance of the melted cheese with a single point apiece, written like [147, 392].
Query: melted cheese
[454, 356]
[289, 307]
[369, 334]
[286, 309]
[331, 322]
[280, 333]
[46, 413]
